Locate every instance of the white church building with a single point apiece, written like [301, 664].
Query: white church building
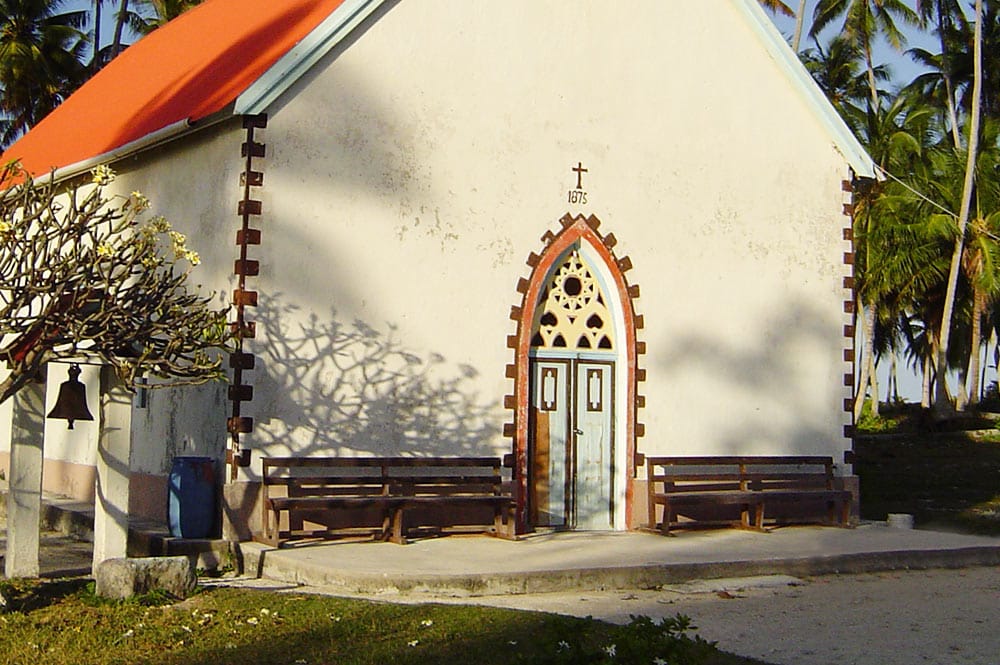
[575, 232]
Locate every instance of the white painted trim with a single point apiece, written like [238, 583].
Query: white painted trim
[843, 138]
[297, 61]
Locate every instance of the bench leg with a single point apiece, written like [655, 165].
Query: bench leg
[272, 528]
[845, 513]
[652, 510]
[386, 533]
[758, 518]
[668, 517]
[397, 527]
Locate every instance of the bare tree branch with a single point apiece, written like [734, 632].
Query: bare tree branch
[82, 276]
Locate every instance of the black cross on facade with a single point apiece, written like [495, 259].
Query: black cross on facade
[579, 170]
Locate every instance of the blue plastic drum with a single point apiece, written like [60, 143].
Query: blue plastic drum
[191, 497]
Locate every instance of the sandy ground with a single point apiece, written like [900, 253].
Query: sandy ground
[935, 617]
[945, 617]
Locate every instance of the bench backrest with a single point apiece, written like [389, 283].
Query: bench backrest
[728, 473]
[384, 476]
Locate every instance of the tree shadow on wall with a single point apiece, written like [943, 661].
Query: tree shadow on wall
[332, 387]
[775, 405]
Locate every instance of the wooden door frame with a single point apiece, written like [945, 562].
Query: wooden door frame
[584, 230]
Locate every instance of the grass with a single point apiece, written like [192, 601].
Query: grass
[946, 477]
[62, 623]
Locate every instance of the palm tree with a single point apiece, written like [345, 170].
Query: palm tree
[941, 403]
[838, 71]
[777, 6]
[892, 255]
[945, 15]
[41, 51]
[863, 21]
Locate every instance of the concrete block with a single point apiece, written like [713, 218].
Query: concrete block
[123, 578]
[852, 484]
[240, 510]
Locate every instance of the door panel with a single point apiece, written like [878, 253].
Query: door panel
[594, 461]
[550, 405]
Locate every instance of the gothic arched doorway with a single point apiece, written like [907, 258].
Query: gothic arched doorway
[575, 392]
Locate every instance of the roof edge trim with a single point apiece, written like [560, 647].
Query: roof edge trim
[287, 70]
[151, 140]
[843, 138]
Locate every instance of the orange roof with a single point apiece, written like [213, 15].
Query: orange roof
[186, 70]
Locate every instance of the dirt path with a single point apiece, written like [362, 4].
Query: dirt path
[938, 617]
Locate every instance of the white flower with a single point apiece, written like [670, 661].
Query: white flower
[252, 621]
[413, 643]
[265, 612]
[426, 622]
[334, 618]
[139, 201]
[610, 650]
[562, 646]
[102, 175]
[659, 661]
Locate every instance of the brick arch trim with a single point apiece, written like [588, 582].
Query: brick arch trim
[574, 229]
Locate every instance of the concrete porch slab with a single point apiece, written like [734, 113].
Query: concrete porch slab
[538, 563]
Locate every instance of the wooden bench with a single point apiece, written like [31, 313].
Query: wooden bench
[338, 494]
[704, 487]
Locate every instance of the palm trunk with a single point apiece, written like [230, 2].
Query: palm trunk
[991, 343]
[95, 59]
[892, 389]
[941, 405]
[948, 88]
[867, 352]
[119, 28]
[872, 86]
[873, 381]
[978, 307]
[799, 20]
[925, 393]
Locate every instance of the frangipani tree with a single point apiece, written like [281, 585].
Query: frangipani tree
[82, 275]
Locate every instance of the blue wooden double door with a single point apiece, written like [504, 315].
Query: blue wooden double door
[571, 442]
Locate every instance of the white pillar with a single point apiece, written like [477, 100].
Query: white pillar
[24, 497]
[114, 456]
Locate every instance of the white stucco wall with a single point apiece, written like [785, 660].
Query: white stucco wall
[419, 167]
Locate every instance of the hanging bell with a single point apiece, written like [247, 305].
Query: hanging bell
[72, 401]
